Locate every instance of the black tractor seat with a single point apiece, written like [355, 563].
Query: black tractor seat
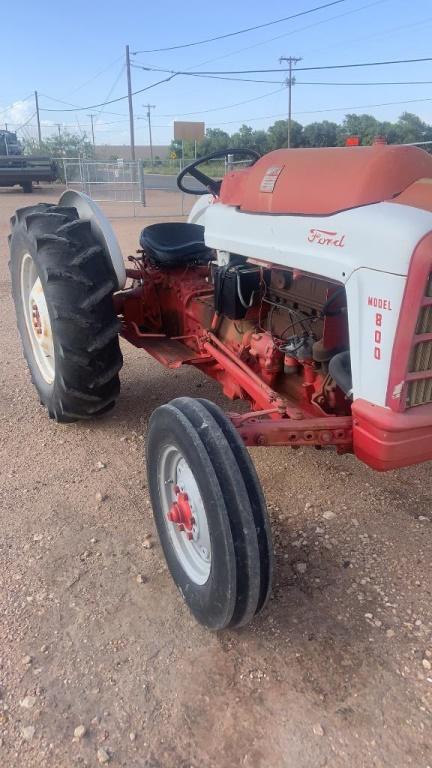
[176, 243]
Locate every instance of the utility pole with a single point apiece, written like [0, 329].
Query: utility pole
[131, 117]
[292, 61]
[149, 107]
[38, 118]
[59, 129]
[92, 128]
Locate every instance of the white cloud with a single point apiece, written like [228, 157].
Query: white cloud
[17, 113]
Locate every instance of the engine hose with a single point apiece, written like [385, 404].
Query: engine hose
[340, 370]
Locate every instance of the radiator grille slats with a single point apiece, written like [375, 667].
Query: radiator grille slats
[424, 324]
[420, 390]
[421, 358]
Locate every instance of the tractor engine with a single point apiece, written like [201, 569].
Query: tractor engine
[287, 327]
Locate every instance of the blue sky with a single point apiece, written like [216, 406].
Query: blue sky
[75, 53]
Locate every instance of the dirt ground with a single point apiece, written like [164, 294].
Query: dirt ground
[335, 673]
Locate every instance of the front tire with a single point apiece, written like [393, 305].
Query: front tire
[62, 286]
[211, 537]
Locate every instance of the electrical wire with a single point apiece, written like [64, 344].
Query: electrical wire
[98, 74]
[227, 106]
[18, 101]
[240, 31]
[287, 34]
[402, 82]
[227, 76]
[321, 111]
[110, 92]
[23, 125]
[284, 69]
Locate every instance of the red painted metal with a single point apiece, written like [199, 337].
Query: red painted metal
[181, 514]
[414, 297]
[342, 178]
[170, 314]
[387, 440]
[326, 430]
[250, 385]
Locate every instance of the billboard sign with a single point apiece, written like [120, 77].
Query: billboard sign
[188, 131]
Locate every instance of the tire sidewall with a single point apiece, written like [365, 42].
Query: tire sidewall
[22, 244]
[211, 603]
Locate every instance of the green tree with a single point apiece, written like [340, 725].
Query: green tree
[278, 134]
[215, 139]
[411, 128]
[365, 126]
[324, 134]
[247, 138]
[65, 145]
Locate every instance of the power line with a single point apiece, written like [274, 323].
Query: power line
[401, 82]
[321, 111]
[98, 74]
[51, 98]
[18, 101]
[281, 71]
[287, 34]
[241, 31]
[23, 125]
[226, 75]
[112, 101]
[153, 85]
[268, 117]
[227, 106]
[210, 76]
[111, 91]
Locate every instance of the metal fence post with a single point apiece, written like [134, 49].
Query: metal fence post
[141, 181]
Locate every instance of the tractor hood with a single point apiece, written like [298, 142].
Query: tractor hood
[322, 182]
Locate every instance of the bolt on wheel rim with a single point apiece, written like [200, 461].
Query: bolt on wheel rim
[37, 319]
[184, 514]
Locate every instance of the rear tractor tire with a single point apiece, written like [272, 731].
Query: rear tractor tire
[62, 286]
[210, 513]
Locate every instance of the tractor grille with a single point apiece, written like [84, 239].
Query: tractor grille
[420, 388]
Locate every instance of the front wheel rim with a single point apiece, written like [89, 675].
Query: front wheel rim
[184, 515]
[37, 319]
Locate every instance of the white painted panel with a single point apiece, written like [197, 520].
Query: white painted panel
[371, 353]
[381, 237]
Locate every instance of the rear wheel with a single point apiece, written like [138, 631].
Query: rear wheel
[62, 286]
[27, 186]
[204, 515]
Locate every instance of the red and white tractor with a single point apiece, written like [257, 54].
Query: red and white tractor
[302, 283]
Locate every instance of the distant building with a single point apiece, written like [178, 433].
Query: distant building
[107, 152]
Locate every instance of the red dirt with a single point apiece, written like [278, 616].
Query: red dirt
[335, 673]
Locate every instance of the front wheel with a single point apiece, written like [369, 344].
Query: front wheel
[209, 512]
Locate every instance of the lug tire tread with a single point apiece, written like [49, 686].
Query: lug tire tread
[78, 283]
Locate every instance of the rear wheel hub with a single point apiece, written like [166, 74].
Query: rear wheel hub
[37, 318]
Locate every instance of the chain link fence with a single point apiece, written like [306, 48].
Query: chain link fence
[128, 188]
[119, 182]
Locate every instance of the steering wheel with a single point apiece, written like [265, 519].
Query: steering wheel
[211, 185]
